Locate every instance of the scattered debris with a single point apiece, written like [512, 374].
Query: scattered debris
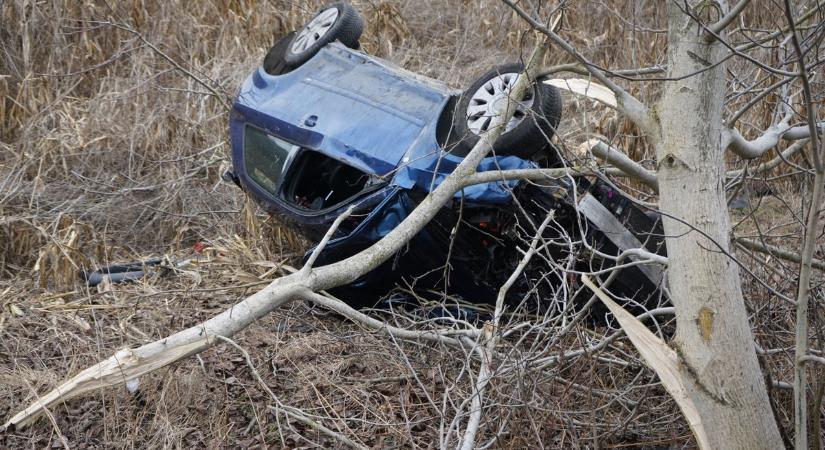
[132, 271]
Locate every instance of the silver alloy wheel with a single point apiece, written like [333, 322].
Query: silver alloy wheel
[314, 30]
[491, 99]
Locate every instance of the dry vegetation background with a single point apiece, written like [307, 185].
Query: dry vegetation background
[109, 152]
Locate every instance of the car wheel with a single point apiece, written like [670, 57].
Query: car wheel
[529, 130]
[339, 21]
[274, 63]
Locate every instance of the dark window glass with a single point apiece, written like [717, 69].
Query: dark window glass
[264, 157]
[319, 182]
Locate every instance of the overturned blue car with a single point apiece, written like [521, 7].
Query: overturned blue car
[321, 126]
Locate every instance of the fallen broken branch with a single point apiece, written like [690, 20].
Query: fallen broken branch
[128, 364]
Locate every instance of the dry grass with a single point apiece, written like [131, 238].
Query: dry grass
[108, 153]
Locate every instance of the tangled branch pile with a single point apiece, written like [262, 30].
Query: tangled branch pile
[112, 142]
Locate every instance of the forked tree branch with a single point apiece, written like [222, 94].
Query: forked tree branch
[581, 69]
[750, 149]
[774, 162]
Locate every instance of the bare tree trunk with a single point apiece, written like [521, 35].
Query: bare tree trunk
[713, 336]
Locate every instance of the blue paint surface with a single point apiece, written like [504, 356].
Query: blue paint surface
[377, 118]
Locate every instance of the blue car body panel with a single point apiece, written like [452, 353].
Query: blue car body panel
[381, 120]
[358, 110]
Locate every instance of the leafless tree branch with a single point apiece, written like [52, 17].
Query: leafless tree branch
[628, 104]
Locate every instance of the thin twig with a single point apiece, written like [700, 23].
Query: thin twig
[489, 340]
[808, 247]
[223, 98]
[332, 229]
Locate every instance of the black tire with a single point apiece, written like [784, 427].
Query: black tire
[529, 136]
[274, 63]
[346, 28]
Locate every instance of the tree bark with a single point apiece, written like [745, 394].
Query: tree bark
[713, 338]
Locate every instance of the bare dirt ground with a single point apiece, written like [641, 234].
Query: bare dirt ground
[109, 152]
